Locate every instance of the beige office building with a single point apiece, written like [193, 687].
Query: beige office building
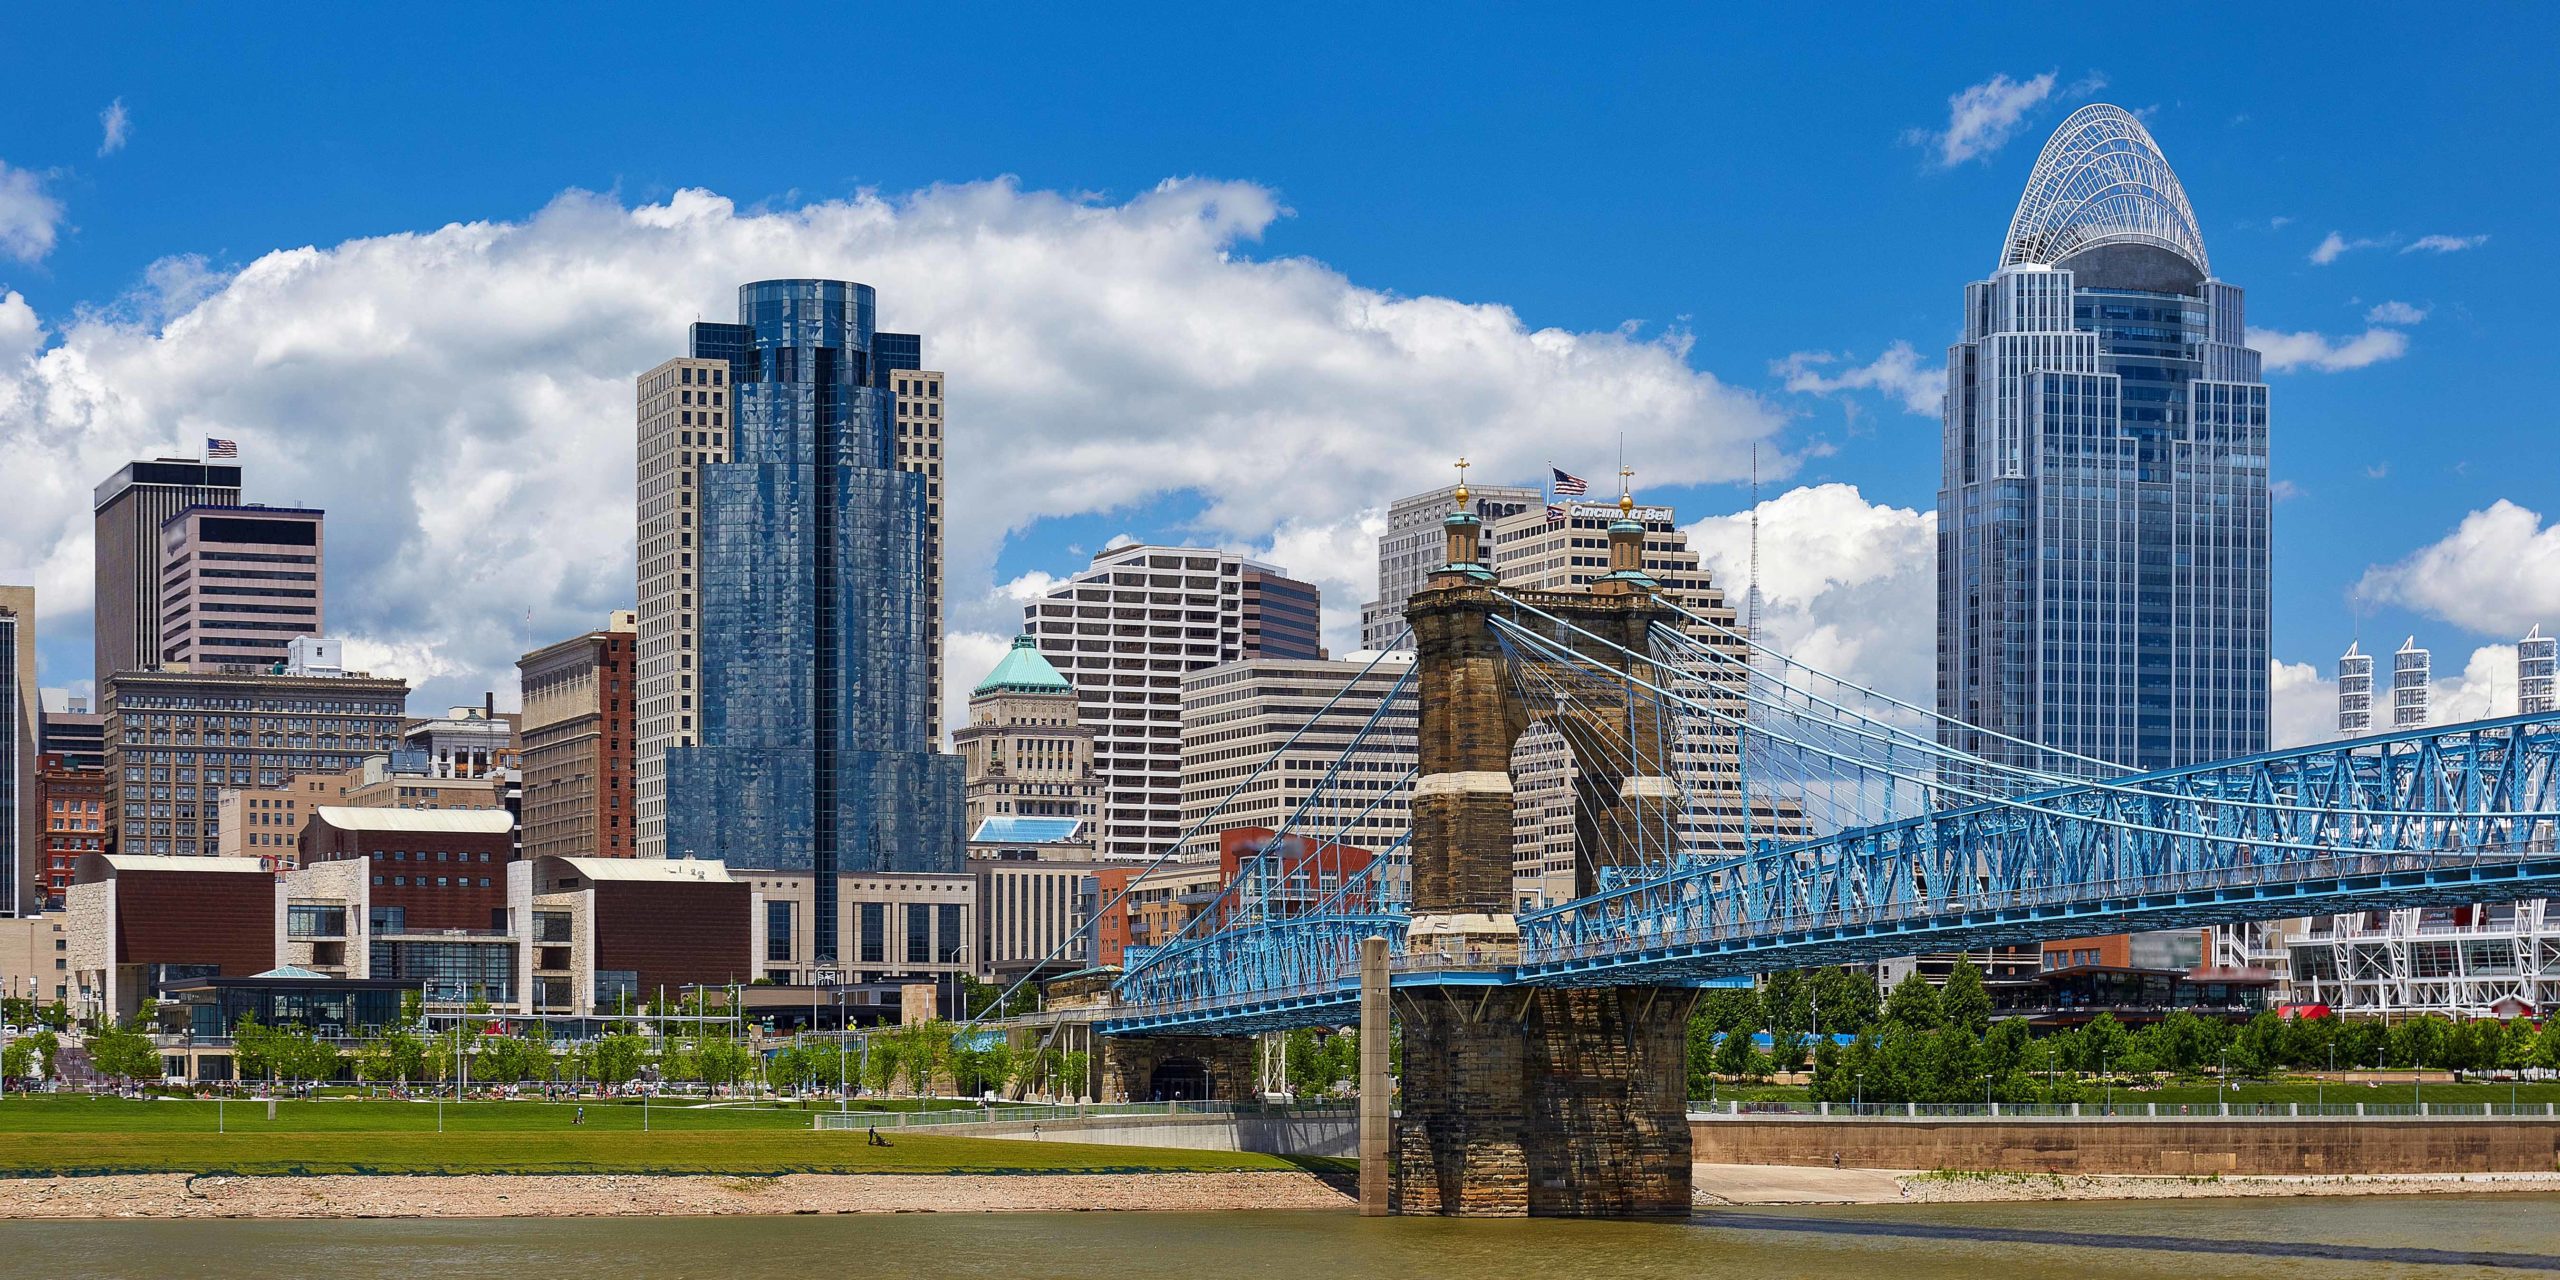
[684, 425]
[1532, 552]
[1239, 715]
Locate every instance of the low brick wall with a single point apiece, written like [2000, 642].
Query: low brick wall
[2169, 1147]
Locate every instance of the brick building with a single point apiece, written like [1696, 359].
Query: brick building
[137, 921]
[1293, 874]
[577, 742]
[177, 739]
[606, 931]
[71, 808]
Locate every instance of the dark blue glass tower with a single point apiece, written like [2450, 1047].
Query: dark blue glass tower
[816, 692]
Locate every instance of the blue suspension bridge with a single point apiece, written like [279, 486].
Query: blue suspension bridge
[1736, 811]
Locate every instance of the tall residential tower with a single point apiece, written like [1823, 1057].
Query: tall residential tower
[2103, 512]
[1125, 632]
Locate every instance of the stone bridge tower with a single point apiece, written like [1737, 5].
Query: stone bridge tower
[1524, 1100]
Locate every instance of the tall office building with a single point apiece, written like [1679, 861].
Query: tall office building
[686, 417]
[1535, 551]
[1299, 715]
[1415, 543]
[2355, 692]
[237, 584]
[576, 736]
[2537, 673]
[685, 421]
[2103, 512]
[813, 693]
[21, 822]
[915, 396]
[128, 511]
[2411, 671]
[1125, 631]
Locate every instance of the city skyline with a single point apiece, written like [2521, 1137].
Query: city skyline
[2390, 317]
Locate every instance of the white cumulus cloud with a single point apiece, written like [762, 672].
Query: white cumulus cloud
[1981, 118]
[460, 398]
[115, 125]
[2302, 705]
[2395, 313]
[2497, 573]
[29, 217]
[1899, 372]
[2307, 350]
[1847, 586]
[2335, 246]
[2445, 244]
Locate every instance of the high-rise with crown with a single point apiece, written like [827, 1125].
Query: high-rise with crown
[2355, 692]
[2537, 673]
[811, 598]
[2103, 513]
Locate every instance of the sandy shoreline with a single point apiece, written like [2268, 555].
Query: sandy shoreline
[610, 1195]
[1736, 1185]
[176, 1195]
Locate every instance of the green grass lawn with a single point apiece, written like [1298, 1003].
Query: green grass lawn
[74, 1134]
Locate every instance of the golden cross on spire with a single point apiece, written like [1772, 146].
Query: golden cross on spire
[1463, 464]
[1626, 492]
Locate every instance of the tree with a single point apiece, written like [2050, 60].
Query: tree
[982, 1067]
[1849, 1001]
[1736, 1058]
[2259, 1048]
[511, 1059]
[396, 1056]
[1965, 1003]
[254, 1050]
[721, 1060]
[123, 1053]
[1914, 1004]
[30, 1056]
[1074, 1070]
[619, 1057]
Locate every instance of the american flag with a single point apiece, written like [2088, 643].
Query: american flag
[1555, 514]
[221, 449]
[1569, 485]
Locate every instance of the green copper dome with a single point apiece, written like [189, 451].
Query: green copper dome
[1023, 670]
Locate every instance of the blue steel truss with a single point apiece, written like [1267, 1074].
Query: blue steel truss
[2452, 814]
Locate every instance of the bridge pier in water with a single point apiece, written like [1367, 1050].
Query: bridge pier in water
[1532, 1100]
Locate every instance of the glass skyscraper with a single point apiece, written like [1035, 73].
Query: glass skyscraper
[816, 690]
[2103, 514]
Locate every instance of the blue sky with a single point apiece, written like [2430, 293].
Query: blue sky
[1760, 183]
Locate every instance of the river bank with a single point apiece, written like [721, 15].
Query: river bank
[176, 1195]
[1739, 1185]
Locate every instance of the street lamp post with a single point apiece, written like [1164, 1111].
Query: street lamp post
[2222, 1082]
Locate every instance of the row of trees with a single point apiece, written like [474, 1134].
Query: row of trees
[1926, 1044]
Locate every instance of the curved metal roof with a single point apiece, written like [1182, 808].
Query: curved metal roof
[2102, 180]
[1024, 670]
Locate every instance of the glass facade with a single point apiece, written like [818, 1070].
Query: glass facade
[816, 687]
[453, 972]
[2103, 519]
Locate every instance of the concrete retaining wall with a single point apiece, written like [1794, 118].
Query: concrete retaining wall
[1321, 1133]
[2169, 1147]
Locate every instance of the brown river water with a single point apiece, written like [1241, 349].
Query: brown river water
[2429, 1236]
